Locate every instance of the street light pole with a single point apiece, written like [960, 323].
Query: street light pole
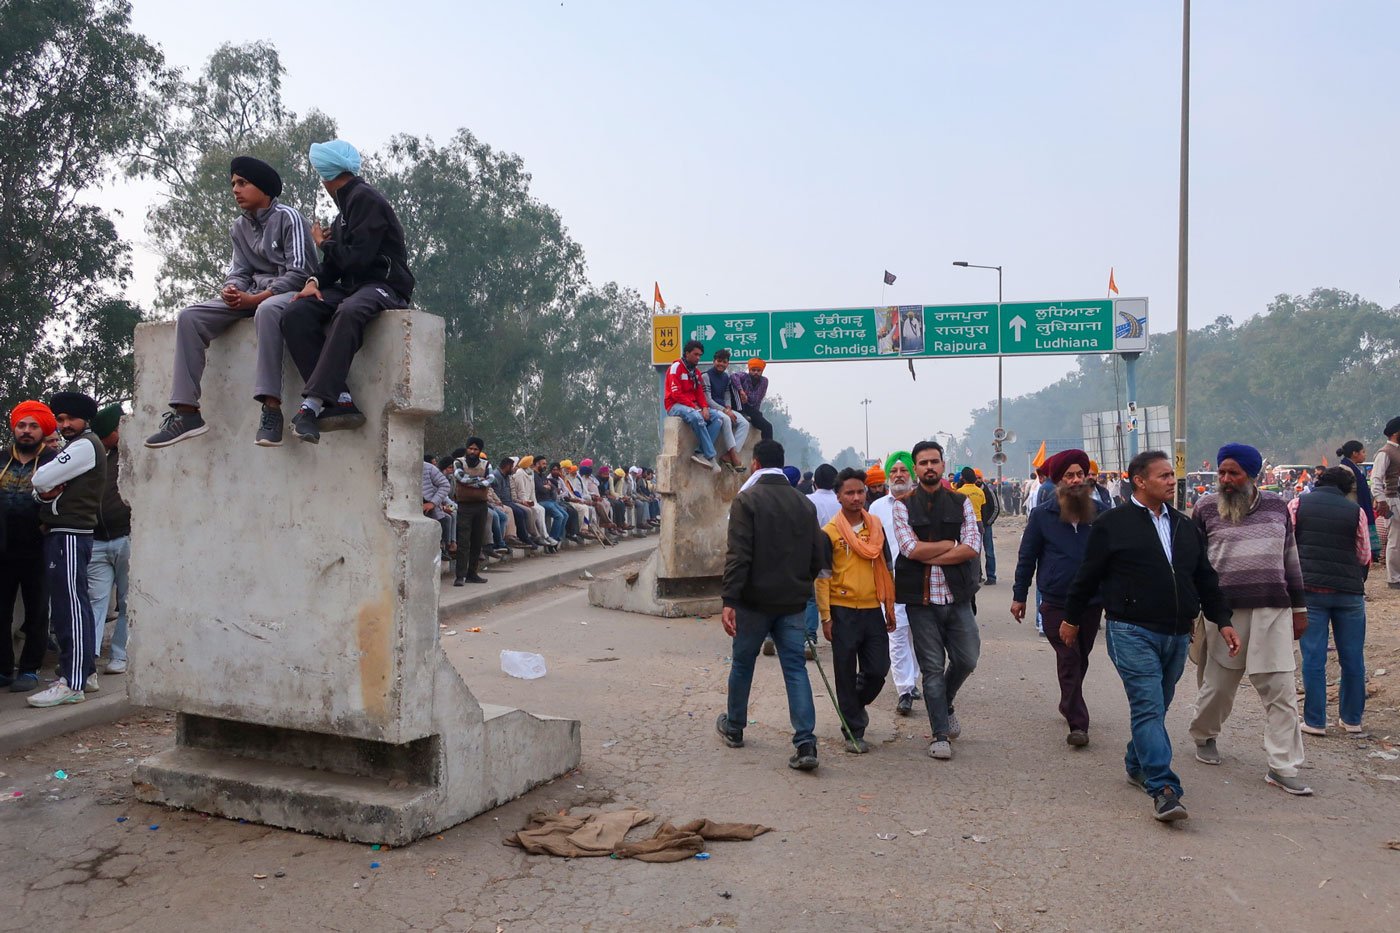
[1181, 257]
[969, 265]
[865, 403]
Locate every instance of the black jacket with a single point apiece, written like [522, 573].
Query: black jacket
[113, 514]
[1125, 565]
[775, 550]
[366, 243]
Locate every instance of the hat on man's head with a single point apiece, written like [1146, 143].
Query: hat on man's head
[793, 474]
[1392, 427]
[900, 456]
[756, 364]
[262, 175]
[73, 404]
[36, 410]
[107, 420]
[1249, 458]
[567, 465]
[526, 462]
[335, 158]
[875, 476]
[1057, 466]
[586, 462]
[619, 472]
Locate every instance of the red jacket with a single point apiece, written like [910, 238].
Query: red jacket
[683, 387]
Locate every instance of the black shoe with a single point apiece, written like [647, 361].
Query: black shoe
[731, 738]
[1167, 808]
[916, 694]
[769, 648]
[460, 581]
[341, 418]
[177, 426]
[474, 578]
[857, 746]
[805, 758]
[991, 581]
[1078, 738]
[905, 705]
[304, 426]
[269, 428]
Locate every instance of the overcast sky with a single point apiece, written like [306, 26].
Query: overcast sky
[754, 156]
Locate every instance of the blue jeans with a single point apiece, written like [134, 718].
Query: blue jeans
[108, 568]
[706, 432]
[498, 528]
[991, 552]
[947, 644]
[810, 618]
[1150, 664]
[751, 628]
[1347, 613]
[558, 519]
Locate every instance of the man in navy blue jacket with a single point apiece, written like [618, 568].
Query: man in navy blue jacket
[1052, 548]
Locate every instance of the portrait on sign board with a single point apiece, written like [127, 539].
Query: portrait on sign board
[911, 329]
[887, 331]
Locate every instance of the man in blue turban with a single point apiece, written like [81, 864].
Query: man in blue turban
[364, 271]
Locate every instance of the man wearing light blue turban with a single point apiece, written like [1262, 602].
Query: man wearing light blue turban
[364, 271]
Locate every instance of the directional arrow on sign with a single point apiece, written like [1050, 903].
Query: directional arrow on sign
[703, 332]
[1018, 324]
[793, 330]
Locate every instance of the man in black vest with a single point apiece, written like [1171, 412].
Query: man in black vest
[1334, 548]
[775, 552]
[935, 577]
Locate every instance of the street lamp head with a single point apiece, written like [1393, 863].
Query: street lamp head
[960, 263]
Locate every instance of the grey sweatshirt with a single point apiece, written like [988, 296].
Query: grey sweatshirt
[272, 250]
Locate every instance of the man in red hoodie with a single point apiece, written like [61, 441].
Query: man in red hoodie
[685, 399]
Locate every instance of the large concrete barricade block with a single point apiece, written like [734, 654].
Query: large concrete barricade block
[283, 602]
[683, 576]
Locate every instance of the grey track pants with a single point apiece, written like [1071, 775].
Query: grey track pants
[198, 324]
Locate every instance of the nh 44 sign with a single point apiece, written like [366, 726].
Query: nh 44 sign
[1019, 328]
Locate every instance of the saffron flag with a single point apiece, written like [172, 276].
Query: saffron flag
[1324, 460]
[657, 299]
[889, 277]
[1039, 456]
[1112, 285]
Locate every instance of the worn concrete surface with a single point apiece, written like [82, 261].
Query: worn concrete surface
[1018, 832]
[298, 618]
[682, 577]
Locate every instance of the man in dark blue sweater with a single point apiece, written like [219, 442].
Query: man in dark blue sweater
[1052, 548]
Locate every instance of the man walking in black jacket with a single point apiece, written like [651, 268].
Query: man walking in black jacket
[364, 271]
[1148, 564]
[775, 552]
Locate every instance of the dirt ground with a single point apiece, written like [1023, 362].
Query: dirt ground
[1018, 832]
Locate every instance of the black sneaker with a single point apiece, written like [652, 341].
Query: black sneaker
[857, 746]
[341, 418]
[731, 738]
[474, 578]
[769, 648]
[805, 758]
[905, 704]
[1167, 807]
[1078, 738]
[304, 426]
[269, 428]
[176, 427]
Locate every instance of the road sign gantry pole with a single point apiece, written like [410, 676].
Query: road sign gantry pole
[1000, 426]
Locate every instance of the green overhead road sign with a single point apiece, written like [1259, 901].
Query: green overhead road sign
[1020, 328]
[1057, 327]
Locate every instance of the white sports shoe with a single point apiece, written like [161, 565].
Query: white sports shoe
[57, 694]
[91, 685]
[115, 667]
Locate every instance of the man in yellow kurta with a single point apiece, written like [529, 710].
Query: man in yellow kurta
[855, 601]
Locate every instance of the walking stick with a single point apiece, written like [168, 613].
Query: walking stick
[811, 640]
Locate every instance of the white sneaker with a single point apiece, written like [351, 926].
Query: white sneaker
[91, 685]
[57, 694]
[116, 667]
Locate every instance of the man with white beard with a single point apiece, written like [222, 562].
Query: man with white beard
[1052, 548]
[1249, 540]
[904, 668]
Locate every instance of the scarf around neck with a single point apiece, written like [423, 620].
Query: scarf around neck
[872, 549]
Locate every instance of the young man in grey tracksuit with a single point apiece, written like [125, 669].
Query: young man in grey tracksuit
[273, 256]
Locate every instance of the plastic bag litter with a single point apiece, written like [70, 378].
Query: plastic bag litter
[522, 664]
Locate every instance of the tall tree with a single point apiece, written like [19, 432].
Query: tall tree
[233, 108]
[75, 94]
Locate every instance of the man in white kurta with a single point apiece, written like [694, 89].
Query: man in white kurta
[904, 668]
